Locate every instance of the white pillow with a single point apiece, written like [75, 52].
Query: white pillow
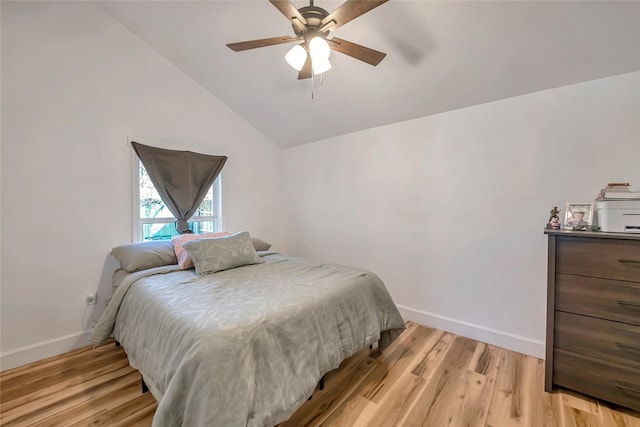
[222, 253]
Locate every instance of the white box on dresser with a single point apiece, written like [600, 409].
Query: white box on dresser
[619, 216]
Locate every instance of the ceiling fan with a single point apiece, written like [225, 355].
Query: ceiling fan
[312, 26]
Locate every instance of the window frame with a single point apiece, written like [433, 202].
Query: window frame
[137, 223]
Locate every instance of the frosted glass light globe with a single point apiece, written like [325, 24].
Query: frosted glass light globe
[319, 48]
[296, 57]
[320, 65]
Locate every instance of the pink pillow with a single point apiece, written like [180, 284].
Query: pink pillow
[184, 260]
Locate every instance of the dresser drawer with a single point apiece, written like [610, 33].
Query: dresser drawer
[609, 341]
[606, 299]
[606, 258]
[607, 381]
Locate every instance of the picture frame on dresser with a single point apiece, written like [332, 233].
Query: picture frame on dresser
[578, 215]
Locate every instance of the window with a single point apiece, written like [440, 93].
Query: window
[154, 221]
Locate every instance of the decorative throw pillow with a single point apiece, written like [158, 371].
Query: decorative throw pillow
[184, 260]
[223, 253]
[140, 256]
[260, 245]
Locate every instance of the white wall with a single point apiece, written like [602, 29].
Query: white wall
[449, 209]
[75, 85]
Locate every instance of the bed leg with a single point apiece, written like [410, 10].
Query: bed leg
[144, 385]
[320, 386]
[117, 343]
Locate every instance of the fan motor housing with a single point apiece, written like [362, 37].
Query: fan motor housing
[314, 16]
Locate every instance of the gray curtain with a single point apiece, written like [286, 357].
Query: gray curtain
[182, 178]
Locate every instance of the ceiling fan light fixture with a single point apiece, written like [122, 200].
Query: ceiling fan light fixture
[319, 48]
[312, 25]
[320, 65]
[296, 57]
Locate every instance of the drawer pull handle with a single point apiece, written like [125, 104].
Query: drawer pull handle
[628, 304]
[625, 388]
[632, 261]
[627, 347]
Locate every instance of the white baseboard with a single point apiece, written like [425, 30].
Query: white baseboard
[34, 352]
[42, 350]
[502, 339]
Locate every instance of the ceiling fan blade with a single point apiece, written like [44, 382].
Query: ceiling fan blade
[365, 54]
[252, 44]
[289, 10]
[349, 11]
[307, 69]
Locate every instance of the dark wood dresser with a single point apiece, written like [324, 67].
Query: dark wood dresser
[593, 315]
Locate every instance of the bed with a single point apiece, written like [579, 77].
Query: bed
[244, 346]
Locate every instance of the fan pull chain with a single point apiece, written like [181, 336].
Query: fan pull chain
[313, 85]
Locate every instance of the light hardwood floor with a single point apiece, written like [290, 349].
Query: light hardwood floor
[426, 378]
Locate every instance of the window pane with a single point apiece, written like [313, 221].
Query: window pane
[167, 230]
[152, 206]
[207, 207]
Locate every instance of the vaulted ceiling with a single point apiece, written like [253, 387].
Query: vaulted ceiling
[441, 55]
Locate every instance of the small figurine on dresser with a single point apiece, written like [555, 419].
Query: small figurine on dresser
[554, 219]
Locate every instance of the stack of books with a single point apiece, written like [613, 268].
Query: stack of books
[619, 191]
